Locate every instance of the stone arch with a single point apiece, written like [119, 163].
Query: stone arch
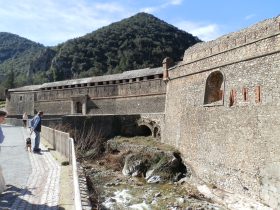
[152, 125]
[214, 88]
[144, 130]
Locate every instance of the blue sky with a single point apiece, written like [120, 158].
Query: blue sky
[51, 22]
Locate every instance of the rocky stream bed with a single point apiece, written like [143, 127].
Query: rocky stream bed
[140, 173]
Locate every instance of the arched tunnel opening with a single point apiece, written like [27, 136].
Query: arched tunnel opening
[144, 130]
[131, 127]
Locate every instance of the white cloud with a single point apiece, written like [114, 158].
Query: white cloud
[205, 32]
[109, 7]
[51, 21]
[161, 6]
[150, 9]
[248, 17]
[176, 2]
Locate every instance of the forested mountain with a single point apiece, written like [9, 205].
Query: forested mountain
[12, 46]
[19, 60]
[137, 42]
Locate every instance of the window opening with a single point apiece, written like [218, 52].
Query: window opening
[79, 109]
[258, 94]
[213, 89]
[245, 94]
[232, 97]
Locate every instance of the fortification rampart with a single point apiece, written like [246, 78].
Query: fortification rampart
[20, 102]
[148, 87]
[221, 108]
[256, 41]
[140, 91]
[109, 126]
[222, 112]
[262, 30]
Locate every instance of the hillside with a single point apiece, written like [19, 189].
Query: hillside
[13, 46]
[17, 58]
[137, 42]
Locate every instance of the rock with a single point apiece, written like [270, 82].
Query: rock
[91, 153]
[180, 201]
[167, 168]
[154, 179]
[157, 195]
[183, 180]
[154, 202]
[111, 200]
[149, 173]
[135, 165]
[158, 167]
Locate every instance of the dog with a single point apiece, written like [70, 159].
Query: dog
[28, 144]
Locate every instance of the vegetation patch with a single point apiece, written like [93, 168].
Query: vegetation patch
[111, 189]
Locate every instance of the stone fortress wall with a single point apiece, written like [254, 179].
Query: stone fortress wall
[138, 91]
[222, 111]
[220, 107]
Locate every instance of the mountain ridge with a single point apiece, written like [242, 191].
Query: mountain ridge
[140, 41]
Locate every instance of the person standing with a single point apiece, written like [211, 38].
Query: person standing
[24, 119]
[3, 114]
[36, 127]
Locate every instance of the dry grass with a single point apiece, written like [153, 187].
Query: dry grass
[89, 143]
[114, 161]
[144, 141]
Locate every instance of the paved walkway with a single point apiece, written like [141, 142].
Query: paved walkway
[32, 179]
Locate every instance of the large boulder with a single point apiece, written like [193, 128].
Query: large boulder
[136, 164]
[158, 167]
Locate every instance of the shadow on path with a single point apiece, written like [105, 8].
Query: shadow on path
[11, 195]
[8, 197]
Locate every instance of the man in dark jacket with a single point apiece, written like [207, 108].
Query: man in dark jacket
[36, 127]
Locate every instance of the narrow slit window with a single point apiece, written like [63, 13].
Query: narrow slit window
[245, 94]
[258, 94]
[232, 97]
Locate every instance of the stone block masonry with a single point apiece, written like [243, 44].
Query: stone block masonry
[222, 111]
[138, 91]
[219, 107]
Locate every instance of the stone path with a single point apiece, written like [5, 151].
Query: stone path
[32, 178]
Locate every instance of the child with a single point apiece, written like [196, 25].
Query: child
[24, 119]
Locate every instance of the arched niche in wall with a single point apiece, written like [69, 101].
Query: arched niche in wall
[214, 89]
